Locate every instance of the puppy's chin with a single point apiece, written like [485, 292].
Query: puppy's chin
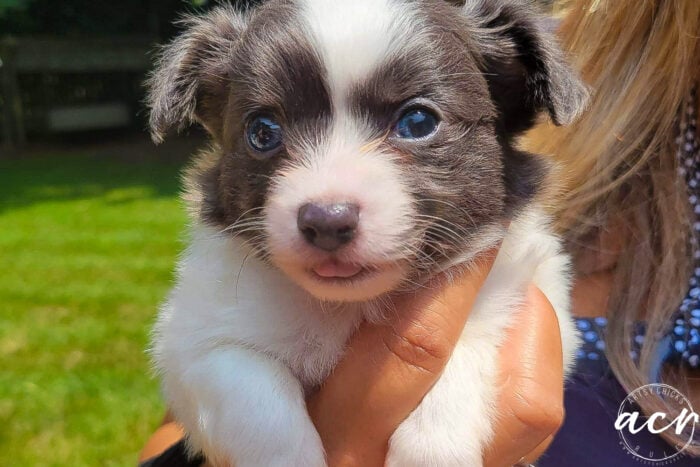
[366, 284]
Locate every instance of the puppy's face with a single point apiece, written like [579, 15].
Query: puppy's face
[361, 145]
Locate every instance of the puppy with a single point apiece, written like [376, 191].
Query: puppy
[358, 147]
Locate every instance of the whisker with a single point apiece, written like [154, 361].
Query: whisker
[449, 204]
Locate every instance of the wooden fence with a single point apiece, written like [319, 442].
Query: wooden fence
[22, 60]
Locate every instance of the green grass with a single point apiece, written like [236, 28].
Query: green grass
[87, 248]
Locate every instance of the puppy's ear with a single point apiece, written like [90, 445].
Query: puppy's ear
[525, 69]
[189, 83]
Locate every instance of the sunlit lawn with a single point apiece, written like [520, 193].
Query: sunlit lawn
[87, 246]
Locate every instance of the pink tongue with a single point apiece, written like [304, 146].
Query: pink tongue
[332, 268]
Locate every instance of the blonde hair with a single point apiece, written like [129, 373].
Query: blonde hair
[640, 57]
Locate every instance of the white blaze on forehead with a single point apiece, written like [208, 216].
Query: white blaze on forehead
[354, 38]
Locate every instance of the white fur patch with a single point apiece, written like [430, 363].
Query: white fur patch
[354, 38]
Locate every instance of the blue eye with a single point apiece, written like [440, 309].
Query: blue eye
[264, 134]
[416, 124]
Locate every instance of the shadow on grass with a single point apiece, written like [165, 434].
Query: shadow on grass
[62, 172]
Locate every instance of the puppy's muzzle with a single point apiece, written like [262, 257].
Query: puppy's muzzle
[330, 226]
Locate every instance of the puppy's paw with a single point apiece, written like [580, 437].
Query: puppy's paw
[242, 408]
[308, 453]
[454, 421]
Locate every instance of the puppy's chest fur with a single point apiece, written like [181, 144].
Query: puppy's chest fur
[227, 297]
[248, 303]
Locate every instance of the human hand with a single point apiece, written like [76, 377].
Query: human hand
[390, 367]
[531, 397]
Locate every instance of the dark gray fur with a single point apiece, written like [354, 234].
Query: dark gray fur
[489, 71]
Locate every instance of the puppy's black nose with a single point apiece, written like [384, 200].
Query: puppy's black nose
[328, 226]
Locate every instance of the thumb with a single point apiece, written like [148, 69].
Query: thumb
[530, 402]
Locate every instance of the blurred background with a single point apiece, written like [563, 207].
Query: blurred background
[90, 227]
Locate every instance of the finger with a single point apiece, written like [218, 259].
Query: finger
[539, 450]
[389, 368]
[530, 402]
[164, 437]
